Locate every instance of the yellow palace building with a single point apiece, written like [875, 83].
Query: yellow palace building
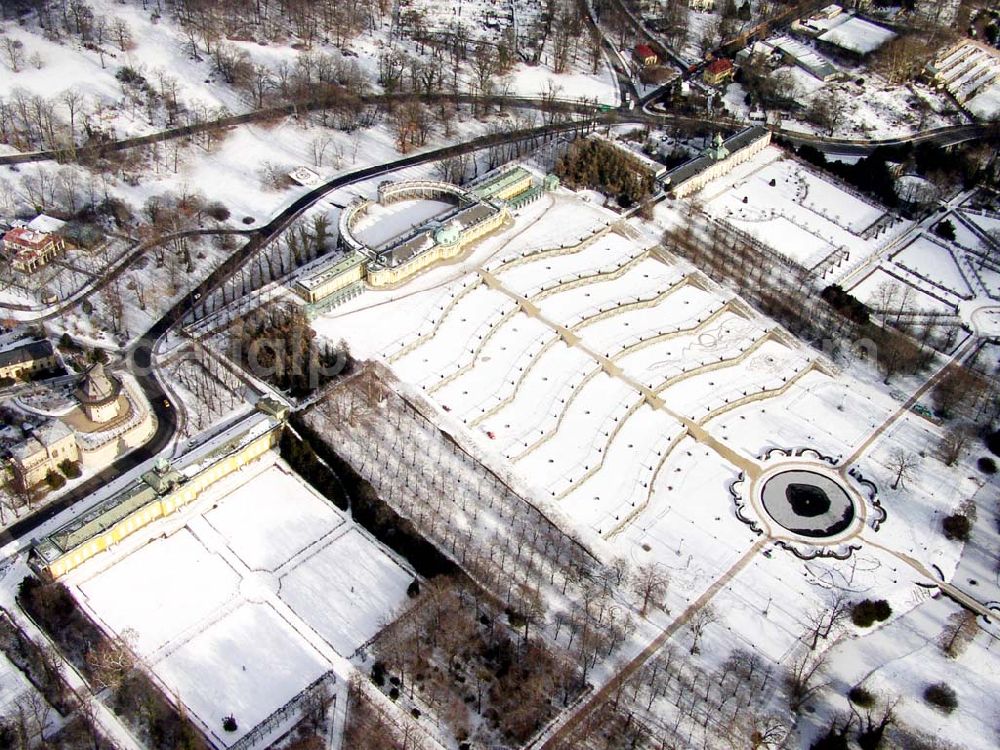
[160, 491]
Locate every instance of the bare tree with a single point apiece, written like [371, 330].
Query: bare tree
[137, 285]
[650, 584]
[700, 620]
[873, 720]
[953, 444]
[531, 607]
[13, 50]
[122, 34]
[803, 678]
[111, 660]
[902, 463]
[73, 100]
[958, 633]
[823, 620]
[317, 149]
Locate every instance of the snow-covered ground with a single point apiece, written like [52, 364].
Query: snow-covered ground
[240, 603]
[803, 215]
[14, 687]
[921, 272]
[868, 106]
[902, 658]
[635, 476]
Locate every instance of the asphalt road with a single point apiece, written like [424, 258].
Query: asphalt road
[140, 356]
[949, 135]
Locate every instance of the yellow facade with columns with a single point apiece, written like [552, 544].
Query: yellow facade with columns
[385, 276]
[141, 507]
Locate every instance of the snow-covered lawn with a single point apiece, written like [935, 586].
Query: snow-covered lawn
[795, 210]
[902, 658]
[201, 602]
[247, 664]
[935, 263]
[287, 519]
[869, 290]
[650, 482]
[579, 435]
[382, 223]
[161, 591]
[644, 281]
[344, 591]
[828, 413]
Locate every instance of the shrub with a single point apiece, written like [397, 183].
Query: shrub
[866, 613]
[945, 230]
[941, 695]
[834, 739]
[217, 211]
[957, 527]
[993, 442]
[131, 77]
[70, 468]
[860, 696]
[55, 481]
[845, 303]
[987, 465]
[413, 590]
[229, 723]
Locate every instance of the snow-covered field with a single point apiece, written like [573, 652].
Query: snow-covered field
[14, 686]
[240, 604]
[785, 204]
[628, 393]
[921, 272]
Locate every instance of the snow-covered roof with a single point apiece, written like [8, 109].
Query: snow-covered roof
[803, 55]
[52, 432]
[114, 507]
[699, 164]
[24, 237]
[42, 437]
[857, 35]
[26, 352]
[330, 270]
[986, 104]
[46, 224]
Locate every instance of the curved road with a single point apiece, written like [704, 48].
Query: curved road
[94, 150]
[140, 356]
[949, 135]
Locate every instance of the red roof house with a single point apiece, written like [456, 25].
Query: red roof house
[718, 71]
[645, 54]
[28, 249]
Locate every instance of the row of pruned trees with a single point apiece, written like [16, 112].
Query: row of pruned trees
[456, 652]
